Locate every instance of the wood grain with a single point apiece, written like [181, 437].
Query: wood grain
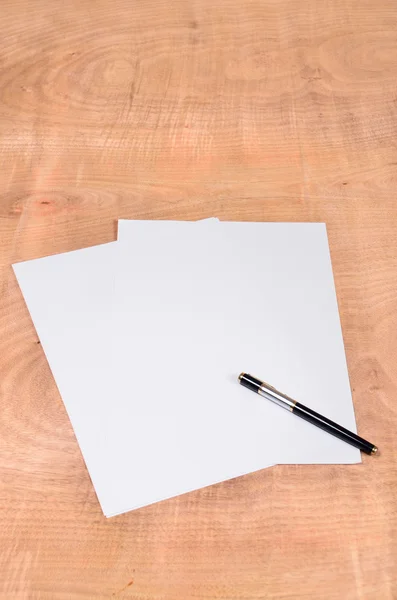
[275, 110]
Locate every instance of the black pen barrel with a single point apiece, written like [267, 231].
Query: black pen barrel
[338, 431]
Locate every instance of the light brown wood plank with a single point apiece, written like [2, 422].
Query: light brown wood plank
[258, 110]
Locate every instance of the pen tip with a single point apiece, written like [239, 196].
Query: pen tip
[240, 376]
[374, 450]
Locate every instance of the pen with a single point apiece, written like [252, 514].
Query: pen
[270, 393]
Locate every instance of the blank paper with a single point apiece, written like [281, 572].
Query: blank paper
[70, 298]
[191, 312]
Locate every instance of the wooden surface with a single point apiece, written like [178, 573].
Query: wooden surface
[276, 110]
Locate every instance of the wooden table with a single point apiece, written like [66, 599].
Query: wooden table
[273, 110]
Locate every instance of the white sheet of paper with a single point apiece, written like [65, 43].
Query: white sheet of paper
[70, 297]
[191, 312]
